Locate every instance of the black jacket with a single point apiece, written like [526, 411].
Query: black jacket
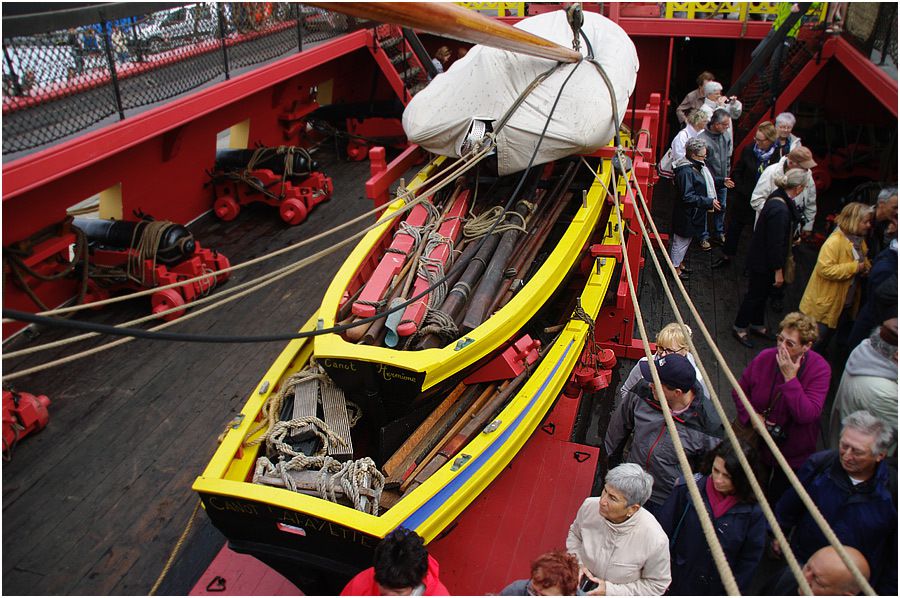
[772, 235]
[689, 212]
[745, 175]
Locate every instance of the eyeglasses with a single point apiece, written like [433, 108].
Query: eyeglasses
[663, 351]
[787, 342]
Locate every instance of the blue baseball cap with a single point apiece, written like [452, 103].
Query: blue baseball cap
[675, 371]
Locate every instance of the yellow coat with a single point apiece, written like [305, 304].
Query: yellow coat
[826, 291]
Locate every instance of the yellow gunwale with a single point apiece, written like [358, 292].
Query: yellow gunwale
[229, 467]
[439, 364]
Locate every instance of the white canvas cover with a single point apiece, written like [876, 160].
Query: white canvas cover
[486, 82]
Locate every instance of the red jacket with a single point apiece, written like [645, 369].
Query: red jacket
[364, 582]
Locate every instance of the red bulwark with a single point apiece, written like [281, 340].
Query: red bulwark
[233, 574]
[524, 513]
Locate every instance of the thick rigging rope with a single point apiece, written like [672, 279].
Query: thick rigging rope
[709, 531]
[760, 428]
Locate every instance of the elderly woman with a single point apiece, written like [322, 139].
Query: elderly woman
[552, 574]
[736, 516]
[696, 122]
[784, 125]
[833, 292]
[670, 340]
[786, 385]
[696, 194]
[768, 254]
[753, 161]
[622, 549]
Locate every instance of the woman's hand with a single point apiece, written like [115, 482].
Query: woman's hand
[716, 205]
[600, 590]
[729, 184]
[779, 278]
[788, 366]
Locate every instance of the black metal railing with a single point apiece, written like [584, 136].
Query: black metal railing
[66, 72]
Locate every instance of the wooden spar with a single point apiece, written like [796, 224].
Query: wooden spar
[533, 246]
[456, 22]
[434, 435]
[470, 413]
[493, 276]
[403, 456]
[478, 418]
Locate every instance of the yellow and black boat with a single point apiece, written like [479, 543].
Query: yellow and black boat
[299, 531]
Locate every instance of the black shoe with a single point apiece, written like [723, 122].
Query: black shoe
[762, 333]
[777, 305]
[742, 338]
[685, 269]
[722, 262]
[717, 240]
[684, 276]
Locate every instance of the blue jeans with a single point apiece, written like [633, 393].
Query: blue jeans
[718, 217]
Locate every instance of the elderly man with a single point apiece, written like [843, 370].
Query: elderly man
[693, 100]
[870, 382]
[885, 221]
[826, 574]
[786, 141]
[854, 489]
[718, 160]
[639, 413]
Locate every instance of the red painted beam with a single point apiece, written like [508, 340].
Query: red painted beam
[874, 79]
[50, 164]
[380, 184]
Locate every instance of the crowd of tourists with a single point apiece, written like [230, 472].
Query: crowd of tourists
[643, 534]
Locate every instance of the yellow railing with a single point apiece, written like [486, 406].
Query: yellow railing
[742, 10]
[497, 9]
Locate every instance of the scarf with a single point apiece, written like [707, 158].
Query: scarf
[707, 176]
[763, 157]
[720, 503]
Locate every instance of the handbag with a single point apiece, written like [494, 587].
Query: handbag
[790, 267]
[664, 167]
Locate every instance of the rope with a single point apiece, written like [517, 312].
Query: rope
[271, 409]
[486, 222]
[761, 430]
[175, 550]
[709, 532]
[729, 432]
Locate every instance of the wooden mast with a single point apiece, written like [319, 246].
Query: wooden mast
[456, 22]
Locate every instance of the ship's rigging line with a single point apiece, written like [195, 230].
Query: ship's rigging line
[132, 333]
[760, 428]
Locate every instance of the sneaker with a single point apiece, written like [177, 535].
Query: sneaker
[719, 239]
[704, 245]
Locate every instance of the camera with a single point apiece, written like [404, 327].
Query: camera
[776, 432]
[587, 585]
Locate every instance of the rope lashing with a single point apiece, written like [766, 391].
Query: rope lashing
[479, 226]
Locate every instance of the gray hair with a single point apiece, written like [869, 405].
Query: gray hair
[786, 118]
[698, 118]
[886, 194]
[693, 146]
[711, 87]
[631, 480]
[868, 424]
[719, 116]
[792, 178]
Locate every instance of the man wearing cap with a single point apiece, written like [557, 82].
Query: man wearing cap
[799, 157]
[639, 413]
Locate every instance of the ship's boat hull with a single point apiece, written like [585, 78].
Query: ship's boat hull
[319, 544]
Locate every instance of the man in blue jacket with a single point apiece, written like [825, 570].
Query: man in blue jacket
[855, 491]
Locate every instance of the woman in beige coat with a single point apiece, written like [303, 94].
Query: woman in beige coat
[622, 549]
[833, 291]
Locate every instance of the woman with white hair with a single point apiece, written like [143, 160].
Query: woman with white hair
[622, 549]
[786, 140]
[696, 194]
[715, 100]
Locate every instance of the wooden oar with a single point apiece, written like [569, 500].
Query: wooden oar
[444, 18]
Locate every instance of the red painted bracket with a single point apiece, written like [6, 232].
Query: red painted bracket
[613, 251]
[509, 364]
[383, 176]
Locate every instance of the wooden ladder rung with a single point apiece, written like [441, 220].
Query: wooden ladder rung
[334, 405]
